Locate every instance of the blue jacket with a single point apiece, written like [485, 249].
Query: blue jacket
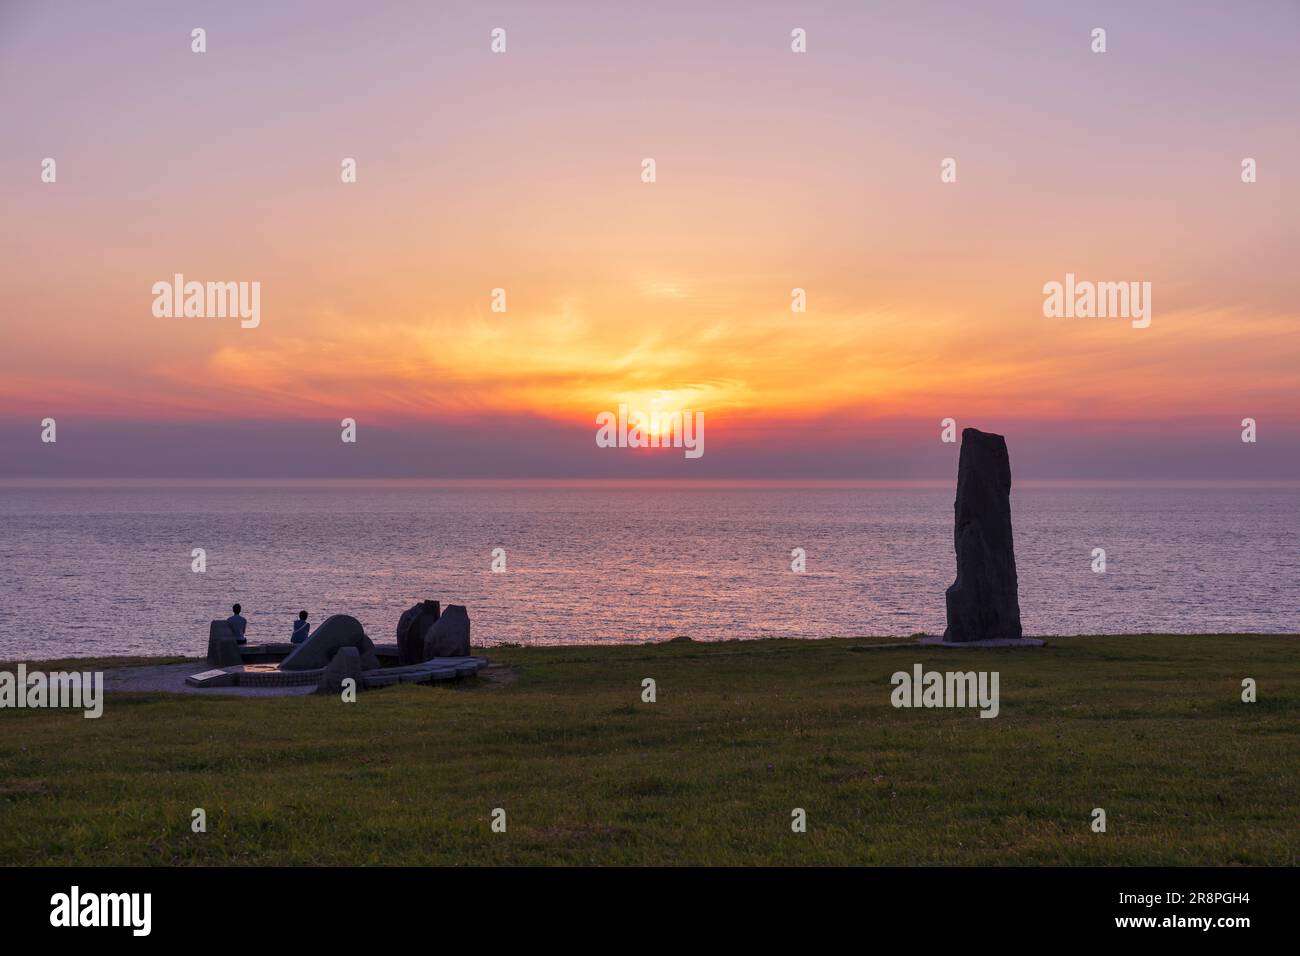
[300, 629]
[237, 624]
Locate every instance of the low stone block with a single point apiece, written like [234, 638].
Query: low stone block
[345, 664]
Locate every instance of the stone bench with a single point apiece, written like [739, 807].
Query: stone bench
[265, 653]
[225, 651]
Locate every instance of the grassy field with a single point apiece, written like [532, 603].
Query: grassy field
[1151, 728]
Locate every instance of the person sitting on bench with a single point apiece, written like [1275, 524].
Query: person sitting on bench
[300, 628]
[237, 625]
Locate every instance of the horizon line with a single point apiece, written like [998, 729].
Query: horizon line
[497, 482]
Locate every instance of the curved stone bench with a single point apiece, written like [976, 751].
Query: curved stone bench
[255, 675]
[434, 669]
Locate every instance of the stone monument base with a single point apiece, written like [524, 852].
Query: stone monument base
[991, 642]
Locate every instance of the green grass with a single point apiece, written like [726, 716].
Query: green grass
[1151, 728]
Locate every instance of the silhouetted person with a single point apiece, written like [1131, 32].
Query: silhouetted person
[237, 625]
[300, 628]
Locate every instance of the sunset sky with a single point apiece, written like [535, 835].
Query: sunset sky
[522, 171]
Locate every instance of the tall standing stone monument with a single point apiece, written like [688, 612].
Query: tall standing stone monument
[984, 601]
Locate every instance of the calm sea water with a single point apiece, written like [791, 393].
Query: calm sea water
[106, 569]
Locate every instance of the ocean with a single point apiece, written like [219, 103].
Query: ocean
[107, 568]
